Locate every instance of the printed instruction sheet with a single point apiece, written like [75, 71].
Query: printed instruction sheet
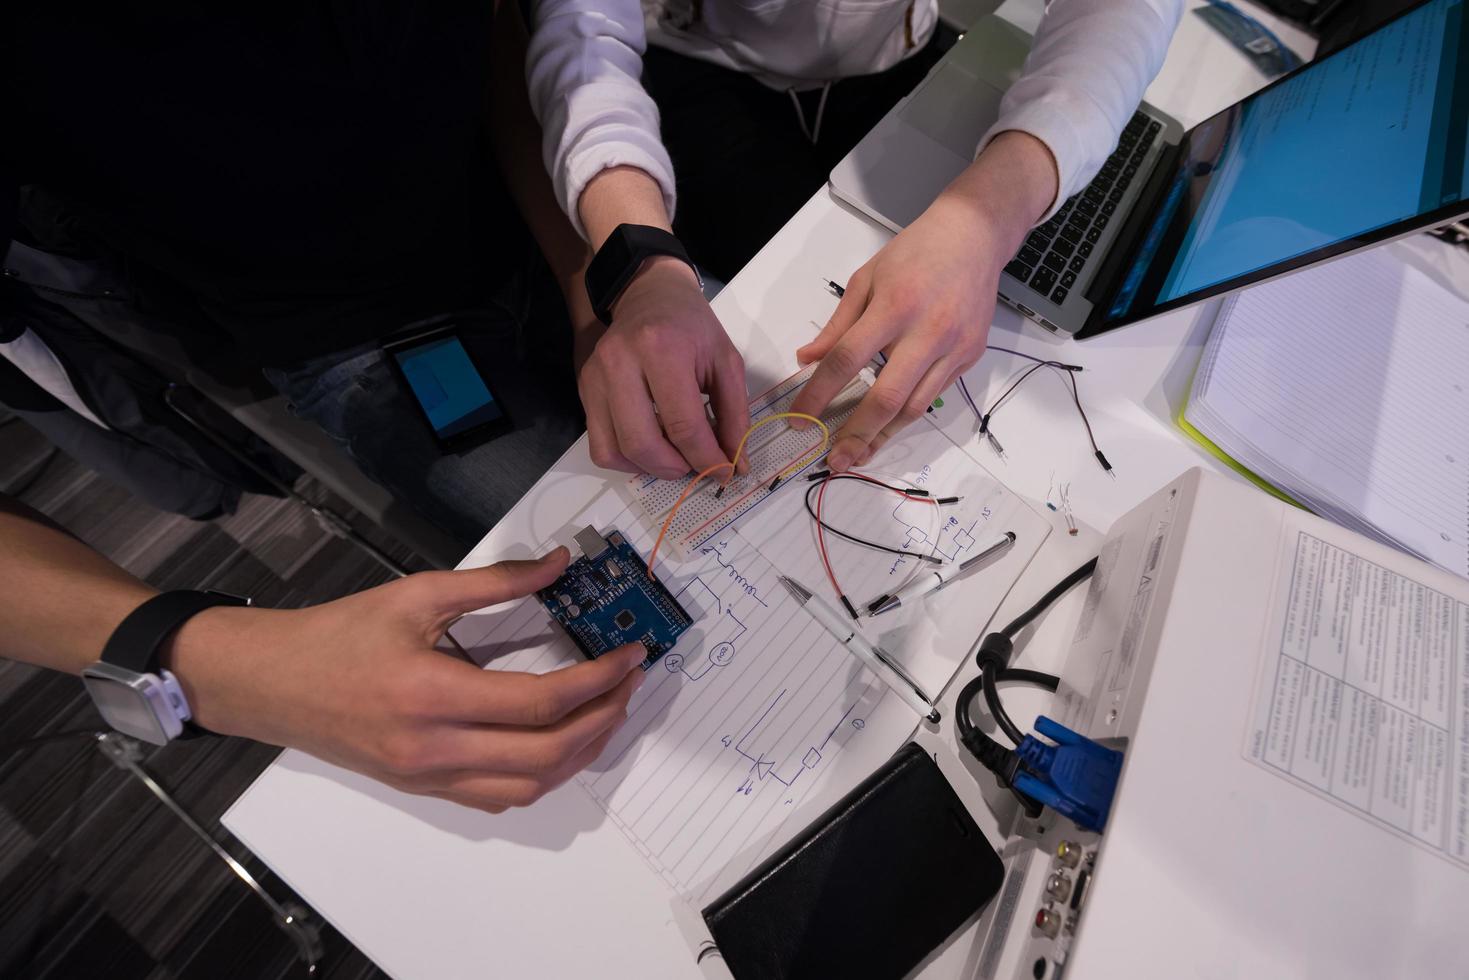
[1364, 698]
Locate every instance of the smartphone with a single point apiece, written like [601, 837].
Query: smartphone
[448, 389]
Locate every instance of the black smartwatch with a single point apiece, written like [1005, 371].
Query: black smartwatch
[620, 258]
[131, 689]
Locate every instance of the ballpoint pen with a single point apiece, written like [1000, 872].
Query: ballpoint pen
[871, 655]
[931, 580]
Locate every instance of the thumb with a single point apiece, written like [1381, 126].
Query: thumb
[445, 596]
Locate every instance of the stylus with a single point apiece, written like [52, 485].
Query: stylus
[934, 579]
[871, 656]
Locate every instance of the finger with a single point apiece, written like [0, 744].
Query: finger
[495, 792]
[889, 399]
[848, 356]
[639, 437]
[681, 411]
[849, 310]
[882, 437]
[938, 378]
[505, 697]
[731, 401]
[526, 751]
[602, 436]
[442, 597]
[839, 362]
[871, 450]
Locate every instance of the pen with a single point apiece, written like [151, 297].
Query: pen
[872, 656]
[934, 579]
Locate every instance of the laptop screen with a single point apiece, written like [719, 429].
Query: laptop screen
[1351, 149]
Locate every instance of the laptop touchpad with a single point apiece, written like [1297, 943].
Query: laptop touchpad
[953, 109]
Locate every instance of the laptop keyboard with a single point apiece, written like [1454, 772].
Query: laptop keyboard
[1058, 250]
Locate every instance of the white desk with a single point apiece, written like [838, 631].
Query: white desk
[428, 889]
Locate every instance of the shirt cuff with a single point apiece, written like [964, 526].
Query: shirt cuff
[573, 177]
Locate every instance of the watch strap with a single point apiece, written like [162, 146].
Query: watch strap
[620, 259]
[138, 640]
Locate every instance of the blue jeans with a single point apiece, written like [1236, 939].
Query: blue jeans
[521, 342]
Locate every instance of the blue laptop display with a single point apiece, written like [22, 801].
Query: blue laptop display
[1358, 147]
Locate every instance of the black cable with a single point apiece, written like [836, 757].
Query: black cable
[810, 509]
[1059, 589]
[991, 754]
[1006, 394]
[987, 685]
[1070, 370]
[993, 658]
[993, 677]
[1091, 436]
[983, 685]
[1039, 360]
[1004, 763]
[1039, 678]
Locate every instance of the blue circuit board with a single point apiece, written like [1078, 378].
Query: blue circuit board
[606, 599]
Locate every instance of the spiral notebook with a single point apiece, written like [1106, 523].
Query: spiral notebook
[1343, 388]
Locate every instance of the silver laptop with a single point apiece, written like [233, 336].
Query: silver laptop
[1319, 163]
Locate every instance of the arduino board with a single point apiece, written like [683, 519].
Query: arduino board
[607, 598]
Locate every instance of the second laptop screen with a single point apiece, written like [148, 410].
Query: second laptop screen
[1357, 142]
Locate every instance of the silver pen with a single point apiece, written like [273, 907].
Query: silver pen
[871, 655]
[935, 579]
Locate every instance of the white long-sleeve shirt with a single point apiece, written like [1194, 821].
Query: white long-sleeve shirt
[1086, 72]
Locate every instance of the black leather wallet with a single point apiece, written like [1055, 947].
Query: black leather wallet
[869, 889]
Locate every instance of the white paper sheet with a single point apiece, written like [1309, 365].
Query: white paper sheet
[1346, 387]
[1360, 697]
[758, 718]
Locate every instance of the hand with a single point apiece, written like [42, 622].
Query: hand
[928, 298]
[358, 682]
[665, 348]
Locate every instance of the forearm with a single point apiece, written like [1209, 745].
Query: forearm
[621, 195]
[60, 602]
[1090, 64]
[59, 599]
[1006, 190]
[584, 70]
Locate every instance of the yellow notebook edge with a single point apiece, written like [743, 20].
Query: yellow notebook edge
[1183, 423]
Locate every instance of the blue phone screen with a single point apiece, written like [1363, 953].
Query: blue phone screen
[446, 384]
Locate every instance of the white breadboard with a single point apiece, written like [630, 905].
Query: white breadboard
[772, 449]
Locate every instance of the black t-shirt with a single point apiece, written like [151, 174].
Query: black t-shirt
[313, 174]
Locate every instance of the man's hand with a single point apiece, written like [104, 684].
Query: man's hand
[927, 299]
[358, 682]
[665, 348]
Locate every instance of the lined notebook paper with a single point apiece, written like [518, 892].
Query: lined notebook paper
[758, 719]
[1344, 387]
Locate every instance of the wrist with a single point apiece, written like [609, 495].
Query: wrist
[217, 656]
[628, 264]
[621, 195]
[1007, 190]
[102, 618]
[668, 269]
[662, 274]
[578, 306]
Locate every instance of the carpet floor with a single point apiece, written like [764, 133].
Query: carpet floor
[97, 878]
